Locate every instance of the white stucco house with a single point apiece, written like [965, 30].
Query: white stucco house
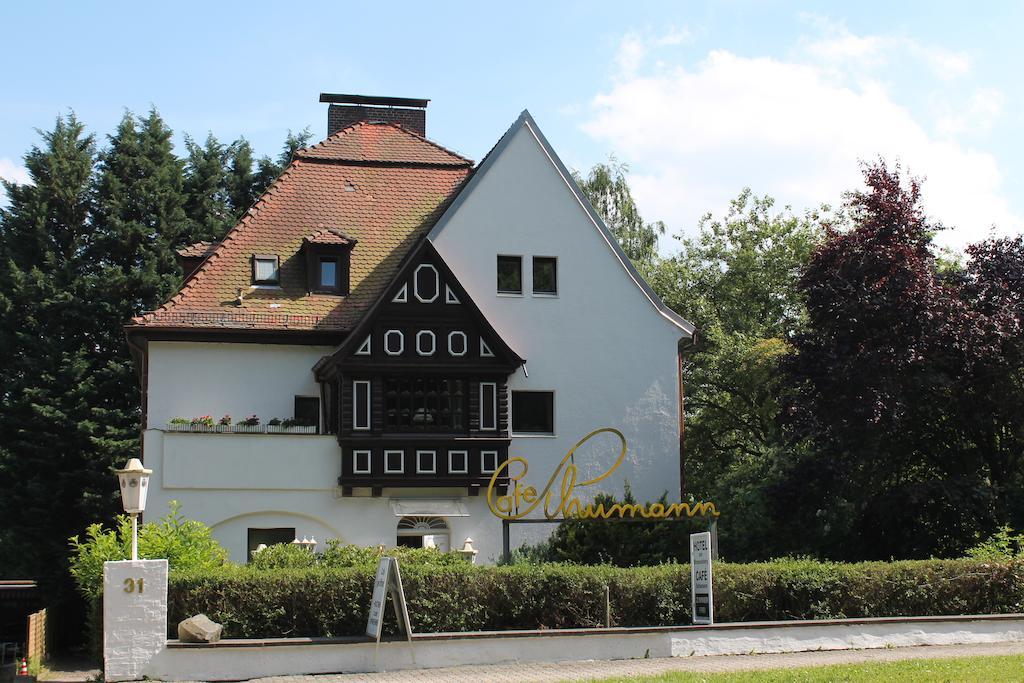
[414, 320]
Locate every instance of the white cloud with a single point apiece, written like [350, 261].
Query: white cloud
[634, 47]
[12, 172]
[15, 173]
[835, 44]
[978, 114]
[793, 129]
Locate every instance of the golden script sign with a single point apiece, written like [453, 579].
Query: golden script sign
[561, 502]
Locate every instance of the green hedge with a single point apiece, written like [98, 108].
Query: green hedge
[254, 603]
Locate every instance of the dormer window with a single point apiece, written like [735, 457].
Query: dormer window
[327, 261]
[265, 269]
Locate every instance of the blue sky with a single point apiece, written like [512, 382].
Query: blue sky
[699, 99]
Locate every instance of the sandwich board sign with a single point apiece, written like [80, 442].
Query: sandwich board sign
[388, 582]
[701, 602]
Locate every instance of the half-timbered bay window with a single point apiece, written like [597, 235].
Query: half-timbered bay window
[417, 393]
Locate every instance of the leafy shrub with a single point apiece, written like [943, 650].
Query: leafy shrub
[333, 601]
[1002, 545]
[339, 556]
[185, 543]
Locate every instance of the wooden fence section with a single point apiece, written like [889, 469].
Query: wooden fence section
[36, 642]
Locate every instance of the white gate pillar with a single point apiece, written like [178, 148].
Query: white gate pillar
[134, 616]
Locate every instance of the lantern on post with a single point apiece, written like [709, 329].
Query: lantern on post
[134, 482]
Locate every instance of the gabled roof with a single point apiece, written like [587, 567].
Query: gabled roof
[526, 121]
[423, 250]
[377, 184]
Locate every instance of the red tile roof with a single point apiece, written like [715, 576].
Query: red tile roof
[376, 184]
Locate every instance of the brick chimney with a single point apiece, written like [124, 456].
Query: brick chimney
[348, 109]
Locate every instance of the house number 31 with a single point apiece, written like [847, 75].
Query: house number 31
[131, 584]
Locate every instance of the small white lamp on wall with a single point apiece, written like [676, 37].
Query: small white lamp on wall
[134, 482]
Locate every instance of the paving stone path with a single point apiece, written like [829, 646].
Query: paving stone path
[591, 670]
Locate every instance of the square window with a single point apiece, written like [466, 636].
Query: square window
[458, 462]
[545, 275]
[510, 274]
[394, 462]
[426, 462]
[264, 270]
[328, 273]
[533, 412]
[488, 461]
[360, 462]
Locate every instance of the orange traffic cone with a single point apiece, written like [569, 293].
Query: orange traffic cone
[24, 667]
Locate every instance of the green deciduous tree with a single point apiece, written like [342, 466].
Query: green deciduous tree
[607, 188]
[737, 281]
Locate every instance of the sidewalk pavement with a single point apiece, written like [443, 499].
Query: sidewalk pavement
[546, 672]
[530, 672]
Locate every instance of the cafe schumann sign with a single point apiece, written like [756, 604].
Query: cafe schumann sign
[559, 499]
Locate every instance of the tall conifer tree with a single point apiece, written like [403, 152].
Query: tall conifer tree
[207, 193]
[52, 480]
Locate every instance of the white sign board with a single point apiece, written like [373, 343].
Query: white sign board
[388, 582]
[701, 601]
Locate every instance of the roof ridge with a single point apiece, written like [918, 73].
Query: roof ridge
[337, 135]
[427, 140]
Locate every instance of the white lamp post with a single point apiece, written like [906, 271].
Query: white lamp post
[134, 482]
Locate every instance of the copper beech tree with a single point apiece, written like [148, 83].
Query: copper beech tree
[907, 383]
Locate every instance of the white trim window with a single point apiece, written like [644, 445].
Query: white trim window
[458, 462]
[426, 462]
[360, 405]
[449, 296]
[458, 344]
[488, 406]
[488, 461]
[391, 457]
[422, 348]
[485, 350]
[361, 462]
[425, 297]
[390, 347]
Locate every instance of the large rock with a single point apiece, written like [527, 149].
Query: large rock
[199, 629]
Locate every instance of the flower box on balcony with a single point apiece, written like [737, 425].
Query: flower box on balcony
[295, 429]
[247, 429]
[188, 427]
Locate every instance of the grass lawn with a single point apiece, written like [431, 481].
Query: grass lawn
[981, 669]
